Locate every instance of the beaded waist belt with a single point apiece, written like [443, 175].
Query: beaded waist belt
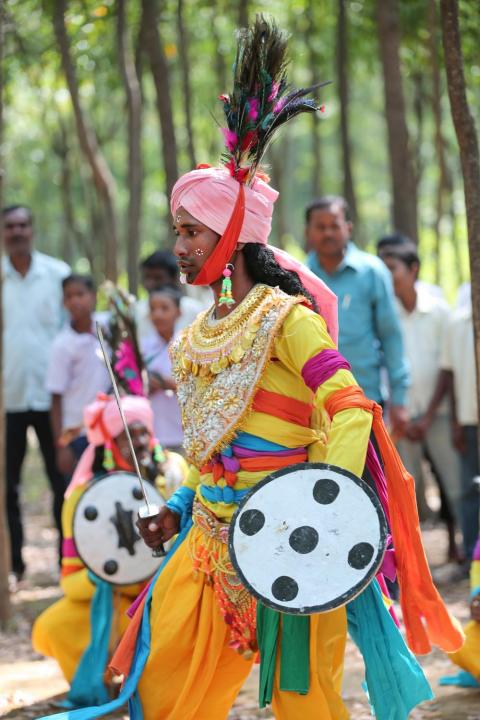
[236, 605]
[206, 521]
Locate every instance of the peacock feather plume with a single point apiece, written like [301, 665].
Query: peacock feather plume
[262, 100]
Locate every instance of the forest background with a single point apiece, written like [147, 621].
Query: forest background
[105, 104]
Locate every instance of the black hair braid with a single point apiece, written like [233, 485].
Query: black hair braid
[263, 268]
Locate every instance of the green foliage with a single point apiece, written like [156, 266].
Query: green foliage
[40, 127]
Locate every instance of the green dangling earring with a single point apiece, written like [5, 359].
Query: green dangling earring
[108, 461]
[158, 454]
[226, 297]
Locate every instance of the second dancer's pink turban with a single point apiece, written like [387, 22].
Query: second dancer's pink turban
[104, 423]
[243, 214]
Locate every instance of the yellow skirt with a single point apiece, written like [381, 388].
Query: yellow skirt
[468, 657]
[62, 631]
[193, 674]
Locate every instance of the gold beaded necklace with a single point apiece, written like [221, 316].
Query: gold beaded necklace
[210, 346]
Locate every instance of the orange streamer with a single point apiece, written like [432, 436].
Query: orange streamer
[283, 407]
[425, 615]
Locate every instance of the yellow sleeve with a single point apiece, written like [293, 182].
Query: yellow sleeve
[303, 336]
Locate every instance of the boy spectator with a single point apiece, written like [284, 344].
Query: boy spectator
[424, 318]
[459, 359]
[164, 313]
[76, 372]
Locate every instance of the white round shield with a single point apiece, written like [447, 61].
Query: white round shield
[104, 531]
[308, 538]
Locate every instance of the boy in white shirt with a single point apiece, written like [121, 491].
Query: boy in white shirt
[164, 307]
[424, 318]
[76, 371]
[458, 358]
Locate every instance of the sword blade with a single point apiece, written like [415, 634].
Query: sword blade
[101, 340]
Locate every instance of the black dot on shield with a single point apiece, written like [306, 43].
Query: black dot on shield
[303, 539]
[360, 555]
[251, 522]
[90, 512]
[325, 491]
[110, 567]
[137, 493]
[284, 588]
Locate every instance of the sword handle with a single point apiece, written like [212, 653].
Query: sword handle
[159, 552]
[145, 512]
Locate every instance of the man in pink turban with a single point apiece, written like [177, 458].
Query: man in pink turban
[261, 387]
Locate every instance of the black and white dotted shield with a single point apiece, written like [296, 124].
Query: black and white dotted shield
[104, 530]
[308, 539]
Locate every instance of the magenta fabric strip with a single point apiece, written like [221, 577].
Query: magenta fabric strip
[131, 610]
[246, 453]
[322, 366]
[476, 552]
[384, 589]
[69, 549]
[376, 471]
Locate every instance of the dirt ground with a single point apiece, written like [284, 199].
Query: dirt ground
[30, 686]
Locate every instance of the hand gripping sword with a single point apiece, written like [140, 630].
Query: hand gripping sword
[149, 509]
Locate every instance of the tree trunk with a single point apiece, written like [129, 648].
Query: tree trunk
[4, 536]
[401, 165]
[343, 94]
[72, 236]
[135, 165]
[101, 174]
[220, 66]
[161, 79]
[313, 61]
[469, 154]
[243, 13]
[438, 134]
[183, 44]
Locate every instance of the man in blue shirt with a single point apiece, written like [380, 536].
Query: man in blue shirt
[370, 334]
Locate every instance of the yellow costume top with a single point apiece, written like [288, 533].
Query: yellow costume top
[221, 366]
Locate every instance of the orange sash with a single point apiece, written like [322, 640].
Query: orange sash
[425, 615]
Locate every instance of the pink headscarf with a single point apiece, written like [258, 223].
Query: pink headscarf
[209, 194]
[104, 423]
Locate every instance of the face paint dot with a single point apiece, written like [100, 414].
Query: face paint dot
[137, 493]
[90, 513]
[303, 539]
[284, 589]
[360, 555]
[325, 491]
[251, 522]
[110, 567]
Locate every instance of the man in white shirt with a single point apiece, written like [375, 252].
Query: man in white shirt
[32, 316]
[424, 317]
[158, 270]
[458, 357]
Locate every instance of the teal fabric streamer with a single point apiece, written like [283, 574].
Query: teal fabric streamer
[87, 684]
[395, 681]
[461, 679]
[141, 656]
